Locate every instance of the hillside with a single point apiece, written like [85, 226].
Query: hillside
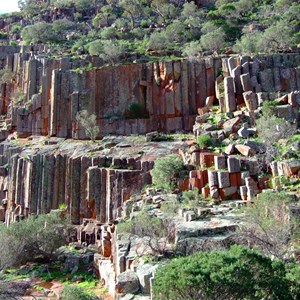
[150, 150]
[144, 29]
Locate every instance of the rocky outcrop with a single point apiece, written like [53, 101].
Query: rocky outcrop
[169, 93]
[91, 180]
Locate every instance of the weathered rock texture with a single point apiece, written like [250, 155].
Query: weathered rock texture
[55, 90]
[92, 180]
[169, 92]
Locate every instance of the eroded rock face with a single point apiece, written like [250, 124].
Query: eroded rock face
[48, 93]
[92, 181]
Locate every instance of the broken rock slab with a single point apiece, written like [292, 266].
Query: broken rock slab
[145, 273]
[250, 100]
[245, 150]
[127, 283]
[230, 101]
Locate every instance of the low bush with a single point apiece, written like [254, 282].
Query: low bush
[165, 171]
[204, 141]
[34, 237]
[156, 231]
[238, 273]
[89, 123]
[270, 225]
[72, 292]
[136, 111]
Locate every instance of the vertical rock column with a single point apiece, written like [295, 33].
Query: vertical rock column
[75, 186]
[94, 191]
[230, 102]
[54, 101]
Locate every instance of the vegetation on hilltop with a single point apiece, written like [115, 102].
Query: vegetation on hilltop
[143, 28]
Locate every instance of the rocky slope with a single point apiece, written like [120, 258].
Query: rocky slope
[44, 164]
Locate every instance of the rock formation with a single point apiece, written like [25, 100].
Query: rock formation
[41, 168]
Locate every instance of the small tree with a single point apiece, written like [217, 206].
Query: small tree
[269, 224]
[159, 41]
[271, 129]
[89, 123]
[156, 231]
[37, 32]
[214, 40]
[6, 75]
[165, 171]
[192, 50]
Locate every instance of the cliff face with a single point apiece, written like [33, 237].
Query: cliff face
[53, 91]
[90, 180]
[169, 92]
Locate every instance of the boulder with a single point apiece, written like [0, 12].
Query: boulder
[214, 192]
[231, 125]
[290, 167]
[294, 98]
[243, 192]
[258, 147]
[246, 82]
[220, 162]
[228, 191]
[245, 150]
[127, 283]
[250, 100]
[233, 165]
[230, 101]
[230, 149]
[223, 179]
[212, 178]
[243, 132]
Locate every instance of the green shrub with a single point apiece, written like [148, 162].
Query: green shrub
[270, 226]
[40, 31]
[157, 231]
[23, 241]
[213, 40]
[3, 35]
[159, 41]
[191, 196]
[192, 50]
[13, 43]
[272, 128]
[204, 141]
[89, 124]
[165, 171]
[136, 111]
[236, 274]
[6, 75]
[72, 292]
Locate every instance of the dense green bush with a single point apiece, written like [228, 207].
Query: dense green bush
[239, 273]
[204, 141]
[165, 171]
[24, 241]
[136, 111]
[39, 32]
[252, 26]
[72, 292]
